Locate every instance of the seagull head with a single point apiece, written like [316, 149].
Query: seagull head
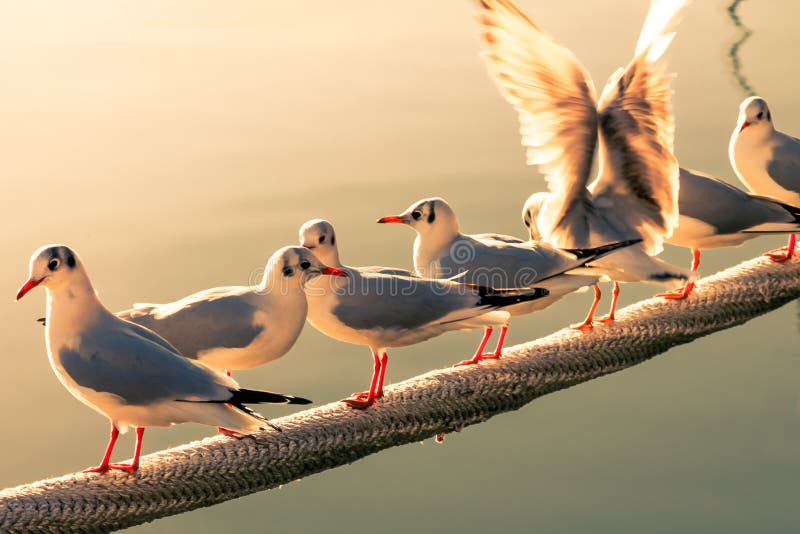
[318, 236]
[530, 212]
[428, 217]
[54, 267]
[754, 116]
[296, 266]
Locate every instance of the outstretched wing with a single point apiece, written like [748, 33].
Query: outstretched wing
[638, 171]
[556, 102]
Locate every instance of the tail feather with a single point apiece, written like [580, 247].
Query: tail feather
[594, 253]
[778, 228]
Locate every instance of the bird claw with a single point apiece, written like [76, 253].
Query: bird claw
[229, 433]
[128, 468]
[491, 356]
[365, 395]
[358, 402]
[585, 326]
[606, 319]
[678, 294]
[98, 469]
[471, 361]
[780, 255]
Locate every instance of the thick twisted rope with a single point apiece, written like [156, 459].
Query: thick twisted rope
[218, 469]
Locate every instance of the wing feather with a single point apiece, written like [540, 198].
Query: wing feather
[555, 100]
[639, 174]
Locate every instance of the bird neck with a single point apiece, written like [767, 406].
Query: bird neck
[329, 256]
[72, 305]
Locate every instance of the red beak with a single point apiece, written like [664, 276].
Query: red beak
[333, 271]
[392, 219]
[745, 124]
[27, 286]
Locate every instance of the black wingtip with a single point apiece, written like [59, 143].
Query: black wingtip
[500, 298]
[254, 396]
[598, 252]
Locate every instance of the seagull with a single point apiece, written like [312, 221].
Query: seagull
[239, 327]
[715, 214]
[318, 236]
[384, 311]
[766, 160]
[635, 193]
[125, 371]
[494, 260]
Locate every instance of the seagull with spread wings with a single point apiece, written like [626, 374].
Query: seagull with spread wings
[563, 126]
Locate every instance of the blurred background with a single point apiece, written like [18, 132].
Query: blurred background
[176, 144]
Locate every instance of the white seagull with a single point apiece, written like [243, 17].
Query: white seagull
[715, 214]
[126, 372]
[563, 126]
[239, 327]
[495, 260]
[766, 160]
[383, 311]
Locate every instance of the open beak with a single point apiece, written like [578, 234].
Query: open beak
[745, 124]
[392, 219]
[27, 286]
[333, 271]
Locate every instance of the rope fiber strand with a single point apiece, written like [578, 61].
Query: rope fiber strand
[218, 469]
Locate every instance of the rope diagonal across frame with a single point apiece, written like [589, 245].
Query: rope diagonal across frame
[218, 469]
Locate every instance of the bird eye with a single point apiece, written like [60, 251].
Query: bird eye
[416, 214]
[760, 114]
[288, 271]
[53, 264]
[527, 222]
[305, 265]
[321, 239]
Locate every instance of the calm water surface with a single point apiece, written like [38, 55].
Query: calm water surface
[175, 145]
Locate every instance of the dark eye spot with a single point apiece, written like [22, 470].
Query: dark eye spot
[321, 239]
[333, 240]
[760, 114]
[416, 214]
[769, 116]
[305, 265]
[288, 271]
[53, 264]
[527, 222]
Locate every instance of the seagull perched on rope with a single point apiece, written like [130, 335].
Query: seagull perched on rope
[766, 160]
[125, 371]
[376, 307]
[563, 126]
[239, 327]
[495, 260]
[715, 214]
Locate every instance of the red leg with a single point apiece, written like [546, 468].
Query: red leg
[781, 255]
[134, 465]
[685, 291]
[384, 362]
[364, 400]
[479, 353]
[498, 350]
[225, 431]
[104, 466]
[588, 323]
[610, 318]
